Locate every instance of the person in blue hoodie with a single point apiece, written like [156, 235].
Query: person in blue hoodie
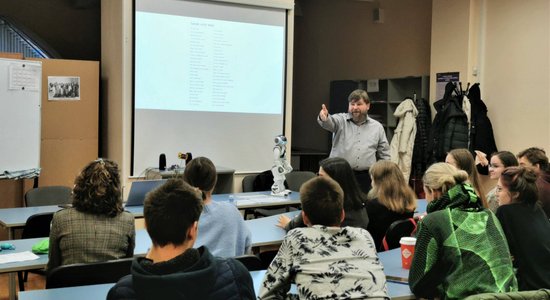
[173, 269]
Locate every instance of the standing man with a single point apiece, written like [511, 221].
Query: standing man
[356, 137]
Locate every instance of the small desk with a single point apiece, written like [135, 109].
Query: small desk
[85, 292]
[391, 260]
[265, 231]
[16, 217]
[223, 185]
[99, 291]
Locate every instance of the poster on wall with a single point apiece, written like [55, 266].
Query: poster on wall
[63, 88]
[441, 80]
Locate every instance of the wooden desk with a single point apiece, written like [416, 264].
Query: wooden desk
[223, 185]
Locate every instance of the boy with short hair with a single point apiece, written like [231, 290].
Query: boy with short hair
[173, 269]
[325, 260]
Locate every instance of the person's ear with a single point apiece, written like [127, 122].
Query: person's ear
[306, 219]
[343, 216]
[193, 231]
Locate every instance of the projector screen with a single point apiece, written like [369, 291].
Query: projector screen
[209, 78]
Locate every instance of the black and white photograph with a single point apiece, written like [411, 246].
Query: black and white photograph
[63, 88]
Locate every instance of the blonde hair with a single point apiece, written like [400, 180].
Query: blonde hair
[390, 187]
[443, 176]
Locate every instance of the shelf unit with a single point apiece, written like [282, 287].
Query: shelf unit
[391, 92]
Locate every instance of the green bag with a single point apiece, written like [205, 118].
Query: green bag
[41, 247]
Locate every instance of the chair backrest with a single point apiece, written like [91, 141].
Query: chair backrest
[397, 230]
[251, 262]
[263, 181]
[248, 183]
[295, 179]
[88, 273]
[37, 225]
[48, 195]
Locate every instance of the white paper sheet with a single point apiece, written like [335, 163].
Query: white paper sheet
[17, 257]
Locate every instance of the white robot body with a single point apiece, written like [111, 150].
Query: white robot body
[280, 167]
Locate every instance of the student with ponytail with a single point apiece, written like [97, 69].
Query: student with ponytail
[221, 227]
[526, 226]
[460, 249]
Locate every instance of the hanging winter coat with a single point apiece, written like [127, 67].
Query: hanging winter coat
[402, 143]
[450, 127]
[421, 155]
[481, 131]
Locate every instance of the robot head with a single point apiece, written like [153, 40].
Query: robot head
[280, 140]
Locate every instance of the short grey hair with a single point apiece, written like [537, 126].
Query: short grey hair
[357, 95]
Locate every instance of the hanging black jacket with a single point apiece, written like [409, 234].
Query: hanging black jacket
[421, 152]
[481, 130]
[450, 126]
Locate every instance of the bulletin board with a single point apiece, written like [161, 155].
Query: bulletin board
[20, 114]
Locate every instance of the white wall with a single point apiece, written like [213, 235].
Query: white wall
[507, 42]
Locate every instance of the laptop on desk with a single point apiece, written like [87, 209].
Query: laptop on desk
[139, 189]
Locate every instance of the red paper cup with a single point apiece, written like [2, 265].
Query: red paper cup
[407, 251]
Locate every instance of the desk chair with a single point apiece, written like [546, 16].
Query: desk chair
[37, 225]
[48, 195]
[88, 273]
[251, 262]
[248, 186]
[397, 230]
[295, 179]
[293, 182]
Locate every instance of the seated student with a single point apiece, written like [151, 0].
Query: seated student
[460, 248]
[499, 161]
[354, 199]
[173, 269]
[390, 199]
[96, 228]
[536, 158]
[325, 261]
[526, 227]
[463, 159]
[221, 226]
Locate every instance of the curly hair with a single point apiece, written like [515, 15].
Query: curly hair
[97, 189]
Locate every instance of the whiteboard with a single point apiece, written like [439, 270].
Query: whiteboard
[20, 107]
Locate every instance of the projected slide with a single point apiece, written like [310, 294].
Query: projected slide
[209, 78]
[208, 65]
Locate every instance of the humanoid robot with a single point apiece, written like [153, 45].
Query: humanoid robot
[280, 167]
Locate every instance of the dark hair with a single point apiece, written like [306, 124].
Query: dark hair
[322, 201]
[340, 170]
[200, 172]
[97, 189]
[170, 210]
[522, 181]
[507, 158]
[535, 156]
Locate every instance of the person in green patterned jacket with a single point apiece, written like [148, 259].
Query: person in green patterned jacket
[461, 249]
